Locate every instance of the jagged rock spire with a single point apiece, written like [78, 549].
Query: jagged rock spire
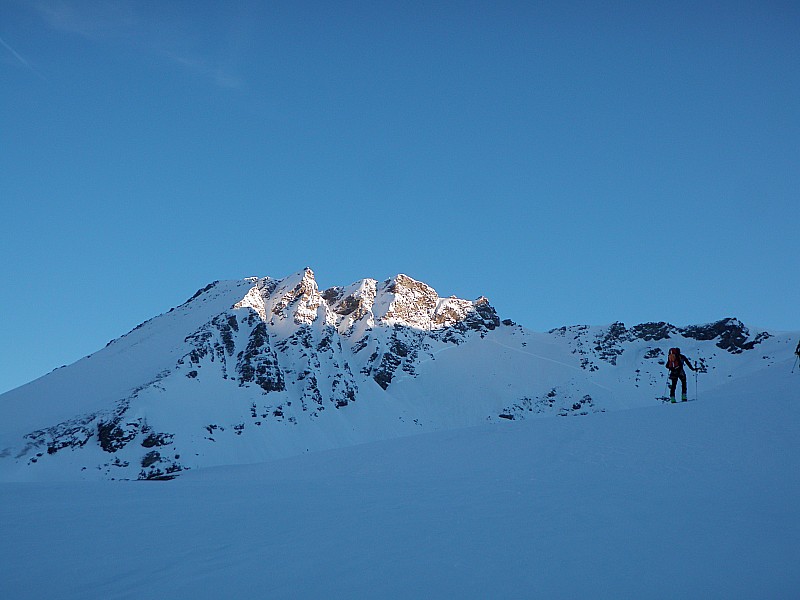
[399, 300]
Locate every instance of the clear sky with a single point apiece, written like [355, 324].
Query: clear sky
[575, 162]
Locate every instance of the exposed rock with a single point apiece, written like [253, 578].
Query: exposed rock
[733, 335]
[202, 291]
[115, 434]
[151, 458]
[157, 439]
[412, 302]
[259, 363]
[651, 332]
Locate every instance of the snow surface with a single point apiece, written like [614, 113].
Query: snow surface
[695, 500]
[125, 363]
[455, 479]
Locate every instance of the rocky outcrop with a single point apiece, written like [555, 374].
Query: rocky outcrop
[609, 343]
[731, 335]
[408, 302]
[258, 363]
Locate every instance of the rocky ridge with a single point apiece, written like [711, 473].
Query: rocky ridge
[308, 349]
[288, 367]
[608, 343]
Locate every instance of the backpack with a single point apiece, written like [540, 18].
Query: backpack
[674, 359]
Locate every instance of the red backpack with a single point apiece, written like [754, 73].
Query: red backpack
[674, 359]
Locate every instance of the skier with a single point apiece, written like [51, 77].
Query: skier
[675, 362]
[797, 352]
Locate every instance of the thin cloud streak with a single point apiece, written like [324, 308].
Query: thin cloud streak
[204, 69]
[90, 20]
[15, 53]
[20, 58]
[119, 22]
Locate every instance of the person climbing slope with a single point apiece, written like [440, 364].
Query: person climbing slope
[797, 352]
[675, 362]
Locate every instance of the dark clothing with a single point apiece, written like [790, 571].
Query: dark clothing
[682, 360]
[676, 373]
[673, 382]
[797, 350]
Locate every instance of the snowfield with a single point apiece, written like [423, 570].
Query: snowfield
[695, 500]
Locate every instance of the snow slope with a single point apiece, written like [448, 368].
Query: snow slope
[378, 441]
[258, 369]
[696, 500]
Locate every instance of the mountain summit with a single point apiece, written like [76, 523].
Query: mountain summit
[259, 368]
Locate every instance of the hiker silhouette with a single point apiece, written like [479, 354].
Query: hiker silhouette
[675, 363]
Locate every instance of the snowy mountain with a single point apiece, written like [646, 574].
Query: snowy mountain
[262, 368]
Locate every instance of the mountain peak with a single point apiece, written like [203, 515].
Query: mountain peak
[299, 295]
[399, 300]
[407, 301]
[352, 303]
[403, 281]
[262, 368]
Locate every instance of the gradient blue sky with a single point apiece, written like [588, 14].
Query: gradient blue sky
[576, 162]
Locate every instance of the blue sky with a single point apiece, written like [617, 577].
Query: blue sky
[575, 162]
